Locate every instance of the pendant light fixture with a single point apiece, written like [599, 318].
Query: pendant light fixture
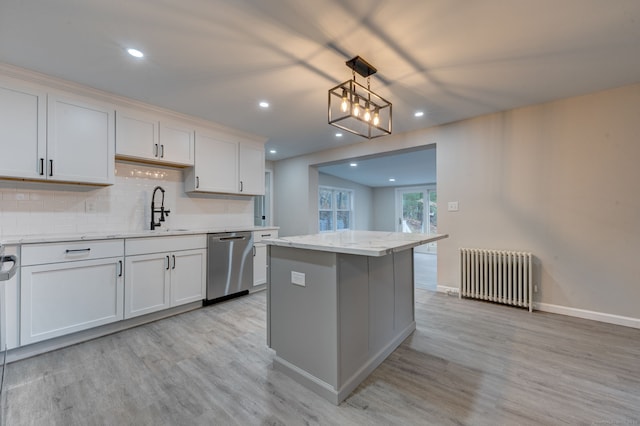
[356, 108]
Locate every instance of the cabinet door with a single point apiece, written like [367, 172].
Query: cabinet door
[22, 130]
[80, 141]
[62, 298]
[260, 264]
[188, 275]
[147, 284]
[251, 169]
[136, 135]
[176, 143]
[216, 165]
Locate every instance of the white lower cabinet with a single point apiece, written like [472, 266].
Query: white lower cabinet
[188, 276]
[260, 255]
[76, 292]
[163, 279]
[146, 284]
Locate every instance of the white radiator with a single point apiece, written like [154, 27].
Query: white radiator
[497, 276]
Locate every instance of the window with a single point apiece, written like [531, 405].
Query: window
[335, 207]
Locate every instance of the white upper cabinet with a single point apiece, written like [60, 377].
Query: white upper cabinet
[80, 141]
[226, 165]
[176, 143]
[54, 137]
[251, 168]
[23, 135]
[216, 165]
[149, 137]
[136, 135]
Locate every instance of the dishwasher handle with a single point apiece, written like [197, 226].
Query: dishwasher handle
[234, 237]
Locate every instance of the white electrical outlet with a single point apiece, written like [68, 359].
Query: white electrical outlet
[452, 206]
[298, 278]
[90, 206]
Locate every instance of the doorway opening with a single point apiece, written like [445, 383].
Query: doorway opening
[417, 212]
[262, 205]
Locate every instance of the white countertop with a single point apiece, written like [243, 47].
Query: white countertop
[366, 243]
[51, 238]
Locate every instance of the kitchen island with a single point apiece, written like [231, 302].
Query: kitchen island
[338, 304]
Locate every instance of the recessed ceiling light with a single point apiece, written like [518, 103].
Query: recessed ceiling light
[353, 164]
[338, 135]
[272, 151]
[264, 104]
[392, 179]
[135, 53]
[418, 114]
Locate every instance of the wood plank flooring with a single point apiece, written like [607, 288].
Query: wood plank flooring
[468, 363]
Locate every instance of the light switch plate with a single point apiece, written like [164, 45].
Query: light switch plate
[452, 206]
[298, 278]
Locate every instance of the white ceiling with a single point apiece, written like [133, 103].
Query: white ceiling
[409, 167]
[217, 58]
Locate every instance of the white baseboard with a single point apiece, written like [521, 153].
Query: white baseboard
[572, 312]
[445, 289]
[591, 315]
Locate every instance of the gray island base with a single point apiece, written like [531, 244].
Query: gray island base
[337, 309]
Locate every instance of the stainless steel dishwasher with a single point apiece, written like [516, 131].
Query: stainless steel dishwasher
[229, 265]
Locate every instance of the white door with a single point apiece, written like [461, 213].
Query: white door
[416, 212]
[22, 130]
[147, 284]
[251, 169]
[216, 167]
[62, 298]
[188, 276]
[80, 141]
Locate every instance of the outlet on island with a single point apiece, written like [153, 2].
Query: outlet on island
[298, 278]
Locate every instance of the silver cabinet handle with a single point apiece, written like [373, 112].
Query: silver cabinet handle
[265, 235]
[41, 171]
[168, 264]
[197, 181]
[50, 167]
[254, 251]
[121, 268]
[162, 151]
[174, 261]
[155, 152]
[241, 186]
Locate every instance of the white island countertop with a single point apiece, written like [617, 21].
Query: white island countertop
[365, 243]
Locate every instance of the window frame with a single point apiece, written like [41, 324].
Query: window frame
[334, 208]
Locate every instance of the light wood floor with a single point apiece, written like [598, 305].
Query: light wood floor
[468, 362]
[425, 270]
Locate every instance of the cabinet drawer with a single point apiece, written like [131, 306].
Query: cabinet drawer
[267, 233]
[38, 254]
[134, 246]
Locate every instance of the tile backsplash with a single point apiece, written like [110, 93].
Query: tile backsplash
[31, 208]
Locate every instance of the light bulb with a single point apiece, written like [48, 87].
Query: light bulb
[376, 118]
[344, 106]
[356, 106]
[367, 113]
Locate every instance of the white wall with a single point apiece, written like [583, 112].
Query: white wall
[559, 179]
[29, 208]
[362, 199]
[384, 206]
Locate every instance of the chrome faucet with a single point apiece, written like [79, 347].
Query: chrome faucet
[161, 210]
